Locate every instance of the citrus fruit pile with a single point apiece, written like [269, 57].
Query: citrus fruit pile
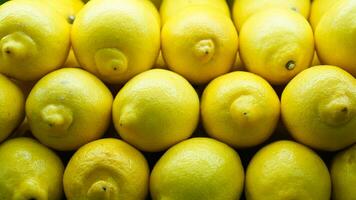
[177, 99]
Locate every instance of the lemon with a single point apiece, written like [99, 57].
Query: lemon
[199, 43]
[155, 110]
[318, 9]
[343, 174]
[34, 39]
[157, 3]
[12, 109]
[335, 36]
[106, 169]
[29, 171]
[319, 108]
[243, 9]
[198, 168]
[117, 39]
[287, 170]
[170, 8]
[276, 44]
[68, 108]
[240, 109]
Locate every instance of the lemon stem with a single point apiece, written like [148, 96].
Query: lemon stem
[204, 50]
[242, 109]
[102, 190]
[337, 111]
[57, 117]
[110, 62]
[17, 45]
[290, 65]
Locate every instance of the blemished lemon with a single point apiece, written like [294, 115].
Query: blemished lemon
[170, 8]
[287, 170]
[12, 109]
[335, 36]
[319, 108]
[318, 9]
[29, 171]
[198, 168]
[276, 44]
[69, 108]
[116, 39]
[343, 174]
[155, 110]
[240, 109]
[34, 39]
[199, 43]
[243, 9]
[106, 169]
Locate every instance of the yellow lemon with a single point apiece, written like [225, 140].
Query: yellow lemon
[335, 36]
[117, 39]
[29, 171]
[68, 108]
[170, 8]
[106, 169]
[287, 170]
[34, 39]
[155, 110]
[276, 44]
[343, 174]
[199, 43]
[243, 9]
[12, 109]
[319, 108]
[198, 168]
[240, 109]
[318, 9]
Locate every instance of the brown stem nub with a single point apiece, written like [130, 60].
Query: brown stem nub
[290, 65]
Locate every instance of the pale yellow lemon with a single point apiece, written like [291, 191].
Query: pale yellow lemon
[319, 108]
[243, 9]
[343, 174]
[276, 44]
[287, 170]
[198, 168]
[240, 109]
[155, 110]
[116, 39]
[12, 107]
[170, 8]
[34, 39]
[335, 36]
[29, 171]
[318, 9]
[69, 108]
[199, 43]
[106, 169]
